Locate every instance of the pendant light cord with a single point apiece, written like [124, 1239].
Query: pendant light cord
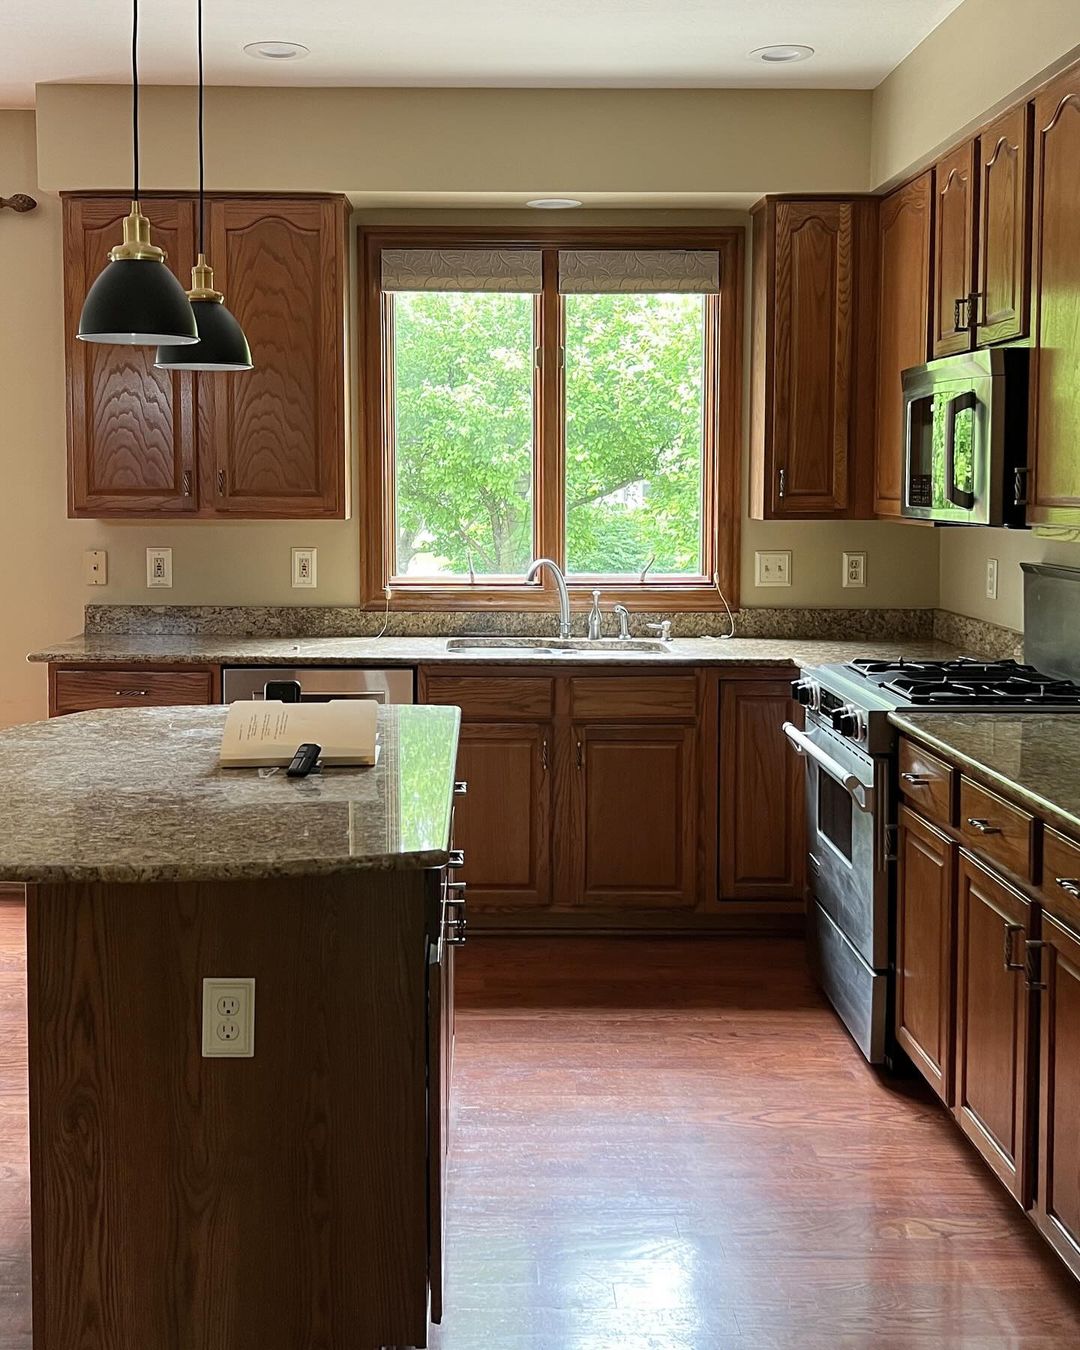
[202, 159]
[135, 99]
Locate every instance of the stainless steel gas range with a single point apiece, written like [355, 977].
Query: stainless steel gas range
[849, 748]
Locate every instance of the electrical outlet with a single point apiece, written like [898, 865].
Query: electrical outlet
[854, 569]
[773, 569]
[991, 578]
[96, 567]
[228, 1017]
[304, 563]
[158, 567]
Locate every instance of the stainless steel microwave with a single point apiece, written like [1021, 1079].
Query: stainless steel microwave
[965, 438]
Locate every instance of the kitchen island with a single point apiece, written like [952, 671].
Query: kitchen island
[284, 1198]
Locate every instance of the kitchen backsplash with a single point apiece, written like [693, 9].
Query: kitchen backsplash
[345, 621]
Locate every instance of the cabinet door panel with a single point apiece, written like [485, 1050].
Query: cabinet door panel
[131, 439]
[1054, 489]
[761, 817]
[637, 793]
[276, 439]
[1057, 1210]
[954, 248]
[1004, 275]
[925, 930]
[903, 323]
[503, 823]
[992, 1024]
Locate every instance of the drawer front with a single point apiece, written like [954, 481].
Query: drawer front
[996, 829]
[598, 698]
[926, 781]
[1061, 876]
[85, 690]
[494, 698]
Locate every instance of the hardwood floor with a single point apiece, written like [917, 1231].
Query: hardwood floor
[672, 1145]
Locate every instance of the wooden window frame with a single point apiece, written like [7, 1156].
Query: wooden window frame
[722, 419]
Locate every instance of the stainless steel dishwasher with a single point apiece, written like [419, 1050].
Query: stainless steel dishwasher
[319, 684]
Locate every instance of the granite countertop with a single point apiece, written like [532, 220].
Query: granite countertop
[136, 795]
[1031, 757]
[136, 649]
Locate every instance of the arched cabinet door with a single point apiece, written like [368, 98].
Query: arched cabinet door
[1003, 272]
[272, 440]
[131, 433]
[954, 251]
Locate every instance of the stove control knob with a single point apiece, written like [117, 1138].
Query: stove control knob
[847, 721]
[802, 691]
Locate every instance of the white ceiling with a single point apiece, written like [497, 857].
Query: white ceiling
[597, 43]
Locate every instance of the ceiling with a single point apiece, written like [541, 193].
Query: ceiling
[573, 43]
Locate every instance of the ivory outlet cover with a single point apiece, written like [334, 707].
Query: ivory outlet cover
[304, 566]
[158, 567]
[773, 569]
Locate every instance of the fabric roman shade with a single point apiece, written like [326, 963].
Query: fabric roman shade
[461, 269]
[587, 271]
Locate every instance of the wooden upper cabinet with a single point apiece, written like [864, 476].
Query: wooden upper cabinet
[812, 399]
[263, 443]
[904, 253]
[131, 437]
[1054, 446]
[276, 434]
[1003, 276]
[955, 193]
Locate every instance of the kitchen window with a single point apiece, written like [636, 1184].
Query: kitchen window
[575, 397]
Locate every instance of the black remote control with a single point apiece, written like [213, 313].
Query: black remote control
[305, 761]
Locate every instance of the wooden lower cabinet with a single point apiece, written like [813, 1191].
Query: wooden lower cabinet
[925, 935]
[503, 824]
[762, 850]
[636, 790]
[74, 690]
[993, 1023]
[1057, 1206]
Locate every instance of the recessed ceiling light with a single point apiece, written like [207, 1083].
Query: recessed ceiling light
[277, 51]
[553, 203]
[783, 54]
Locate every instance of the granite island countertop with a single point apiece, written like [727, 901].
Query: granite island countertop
[180, 649]
[136, 795]
[1031, 757]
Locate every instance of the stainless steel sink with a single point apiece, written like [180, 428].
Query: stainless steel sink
[554, 646]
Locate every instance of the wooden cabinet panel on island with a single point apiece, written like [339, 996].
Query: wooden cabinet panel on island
[264, 443]
[1054, 448]
[131, 431]
[812, 381]
[925, 938]
[993, 1023]
[904, 248]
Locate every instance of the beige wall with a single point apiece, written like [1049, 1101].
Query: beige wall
[964, 557]
[984, 53]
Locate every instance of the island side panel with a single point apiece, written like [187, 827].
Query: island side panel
[278, 1201]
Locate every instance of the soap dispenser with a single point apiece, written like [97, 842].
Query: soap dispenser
[596, 619]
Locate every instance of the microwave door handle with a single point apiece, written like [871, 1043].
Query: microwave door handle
[860, 794]
[959, 403]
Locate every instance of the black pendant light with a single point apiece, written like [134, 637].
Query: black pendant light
[222, 344]
[136, 301]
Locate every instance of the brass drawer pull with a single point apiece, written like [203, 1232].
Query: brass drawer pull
[132, 693]
[456, 858]
[1033, 949]
[916, 779]
[455, 932]
[982, 825]
[1070, 885]
[1011, 930]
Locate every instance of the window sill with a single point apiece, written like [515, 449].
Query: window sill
[692, 596]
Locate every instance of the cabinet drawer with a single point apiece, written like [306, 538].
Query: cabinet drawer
[996, 828]
[84, 690]
[926, 781]
[493, 698]
[1061, 875]
[619, 700]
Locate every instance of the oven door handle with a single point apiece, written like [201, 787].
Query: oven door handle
[860, 794]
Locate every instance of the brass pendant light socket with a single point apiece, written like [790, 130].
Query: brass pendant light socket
[202, 282]
[136, 245]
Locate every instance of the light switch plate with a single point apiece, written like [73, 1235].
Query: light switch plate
[96, 567]
[773, 569]
[854, 569]
[304, 566]
[228, 1017]
[158, 567]
[991, 578]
